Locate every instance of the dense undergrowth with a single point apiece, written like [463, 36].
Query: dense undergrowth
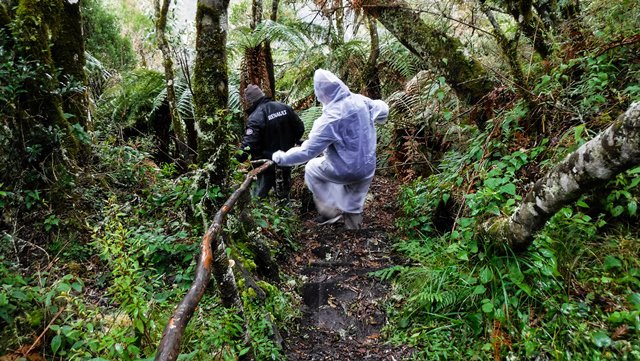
[575, 293]
[108, 297]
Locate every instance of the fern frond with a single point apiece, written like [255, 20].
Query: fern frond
[399, 58]
[308, 116]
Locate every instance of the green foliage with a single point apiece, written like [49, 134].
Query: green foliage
[563, 293]
[624, 195]
[103, 38]
[133, 101]
[28, 302]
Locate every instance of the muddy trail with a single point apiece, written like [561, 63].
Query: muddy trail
[343, 305]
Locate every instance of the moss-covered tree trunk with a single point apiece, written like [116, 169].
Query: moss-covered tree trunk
[611, 152]
[531, 25]
[509, 49]
[211, 87]
[161, 11]
[466, 76]
[41, 110]
[68, 56]
[371, 76]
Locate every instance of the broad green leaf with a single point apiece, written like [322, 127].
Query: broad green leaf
[634, 299]
[486, 275]
[56, 341]
[509, 188]
[582, 204]
[487, 307]
[601, 339]
[479, 290]
[494, 183]
[611, 262]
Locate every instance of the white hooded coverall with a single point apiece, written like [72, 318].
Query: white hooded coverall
[346, 134]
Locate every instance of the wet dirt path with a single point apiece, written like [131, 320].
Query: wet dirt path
[344, 307]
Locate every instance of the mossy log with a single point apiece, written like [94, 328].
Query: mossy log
[599, 160]
[466, 76]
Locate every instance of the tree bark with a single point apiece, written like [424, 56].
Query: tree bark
[211, 87]
[269, 53]
[161, 11]
[339, 12]
[39, 22]
[531, 25]
[68, 55]
[212, 257]
[466, 76]
[255, 63]
[371, 75]
[611, 152]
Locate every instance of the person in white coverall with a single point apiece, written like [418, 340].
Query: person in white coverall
[345, 134]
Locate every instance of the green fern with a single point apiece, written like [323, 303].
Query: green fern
[308, 116]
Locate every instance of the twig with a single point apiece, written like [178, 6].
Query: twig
[37, 341]
[624, 41]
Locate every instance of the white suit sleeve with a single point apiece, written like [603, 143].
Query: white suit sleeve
[319, 140]
[379, 111]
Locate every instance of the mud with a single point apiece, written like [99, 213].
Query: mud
[344, 306]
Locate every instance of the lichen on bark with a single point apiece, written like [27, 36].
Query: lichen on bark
[611, 152]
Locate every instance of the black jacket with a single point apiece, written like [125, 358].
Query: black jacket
[272, 126]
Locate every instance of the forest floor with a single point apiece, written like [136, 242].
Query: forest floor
[343, 305]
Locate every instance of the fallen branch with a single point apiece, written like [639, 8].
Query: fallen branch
[169, 347]
[611, 152]
[622, 42]
[36, 343]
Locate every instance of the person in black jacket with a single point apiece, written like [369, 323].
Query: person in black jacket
[272, 126]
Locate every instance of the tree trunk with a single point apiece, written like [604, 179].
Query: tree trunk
[339, 12]
[466, 76]
[269, 54]
[255, 61]
[161, 11]
[548, 12]
[509, 49]
[611, 152]
[211, 88]
[38, 23]
[68, 55]
[531, 25]
[371, 75]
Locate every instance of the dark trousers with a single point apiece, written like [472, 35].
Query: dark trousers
[267, 180]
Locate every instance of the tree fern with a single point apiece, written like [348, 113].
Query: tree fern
[133, 99]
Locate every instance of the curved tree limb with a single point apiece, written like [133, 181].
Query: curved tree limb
[611, 152]
[466, 76]
[169, 347]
